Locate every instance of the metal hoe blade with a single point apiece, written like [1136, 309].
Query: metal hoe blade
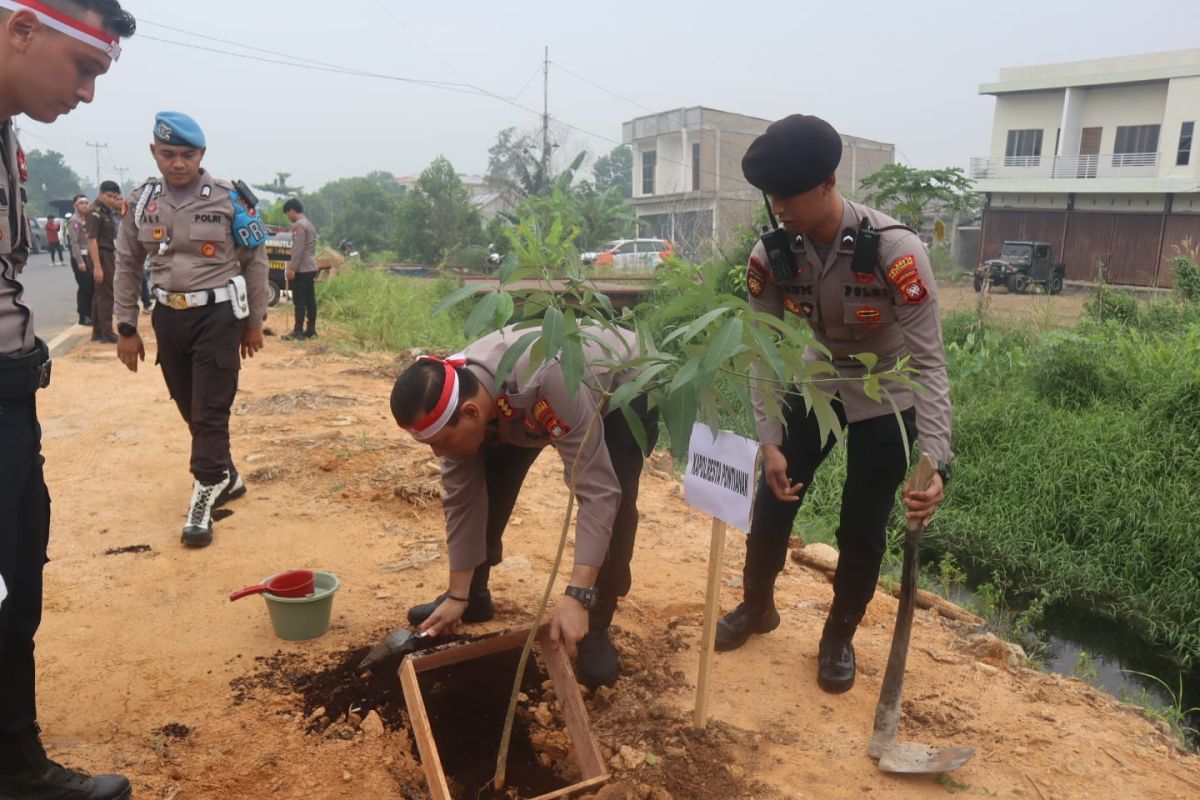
[398, 641]
[894, 755]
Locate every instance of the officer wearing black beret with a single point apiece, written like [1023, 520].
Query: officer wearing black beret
[864, 284]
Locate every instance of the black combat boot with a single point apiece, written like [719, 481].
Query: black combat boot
[597, 659]
[27, 773]
[479, 605]
[198, 530]
[755, 614]
[835, 656]
[235, 489]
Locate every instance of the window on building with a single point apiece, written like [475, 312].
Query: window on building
[1184, 156]
[649, 159]
[1137, 146]
[1024, 148]
[696, 167]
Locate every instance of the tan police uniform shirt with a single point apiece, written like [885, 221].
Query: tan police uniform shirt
[77, 237]
[16, 318]
[892, 313]
[535, 412]
[304, 246]
[190, 246]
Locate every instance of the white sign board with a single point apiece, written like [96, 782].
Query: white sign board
[719, 479]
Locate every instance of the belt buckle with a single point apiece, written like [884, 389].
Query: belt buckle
[177, 300]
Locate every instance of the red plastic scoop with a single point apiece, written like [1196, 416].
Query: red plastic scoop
[293, 583]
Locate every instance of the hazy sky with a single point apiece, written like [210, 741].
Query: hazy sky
[906, 73]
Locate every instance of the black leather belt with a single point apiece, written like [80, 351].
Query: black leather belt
[24, 374]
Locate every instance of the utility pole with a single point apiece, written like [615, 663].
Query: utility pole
[98, 147]
[546, 120]
[122, 172]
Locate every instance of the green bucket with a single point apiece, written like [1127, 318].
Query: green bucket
[296, 618]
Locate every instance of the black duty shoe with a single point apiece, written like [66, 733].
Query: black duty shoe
[294, 336]
[479, 609]
[85, 321]
[233, 491]
[598, 664]
[39, 778]
[835, 672]
[198, 531]
[738, 625]
[310, 334]
[108, 338]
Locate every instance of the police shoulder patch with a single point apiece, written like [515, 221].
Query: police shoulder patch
[504, 407]
[755, 284]
[543, 412]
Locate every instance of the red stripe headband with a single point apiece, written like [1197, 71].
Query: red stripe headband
[53, 18]
[429, 425]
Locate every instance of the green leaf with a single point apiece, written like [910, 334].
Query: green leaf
[679, 414]
[869, 360]
[511, 356]
[635, 426]
[572, 364]
[685, 376]
[454, 298]
[505, 310]
[553, 328]
[698, 325]
[723, 344]
[482, 314]
[627, 391]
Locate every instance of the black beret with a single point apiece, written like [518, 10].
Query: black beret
[794, 155]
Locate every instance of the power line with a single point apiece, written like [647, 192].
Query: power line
[603, 89]
[419, 41]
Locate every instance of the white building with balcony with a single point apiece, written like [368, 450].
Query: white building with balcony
[687, 174]
[1096, 157]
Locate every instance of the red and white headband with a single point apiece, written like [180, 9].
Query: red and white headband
[428, 426]
[53, 18]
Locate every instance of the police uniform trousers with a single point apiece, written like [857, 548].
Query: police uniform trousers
[876, 465]
[102, 295]
[84, 287]
[24, 533]
[304, 298]
[505, 467]
[198, 352]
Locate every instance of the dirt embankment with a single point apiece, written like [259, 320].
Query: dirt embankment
[147, 668]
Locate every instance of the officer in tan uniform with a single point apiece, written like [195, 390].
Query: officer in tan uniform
[51, 53]
[81, 264]
[208, 269]
[863, 283]
[302, 270]
[488, 441]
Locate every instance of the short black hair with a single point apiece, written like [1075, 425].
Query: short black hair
[110, 186]
[114, 19]
[419, 387]
[79, 197]
[292, 204]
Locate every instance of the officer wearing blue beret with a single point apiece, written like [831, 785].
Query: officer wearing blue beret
[863, 283]
[208, 269]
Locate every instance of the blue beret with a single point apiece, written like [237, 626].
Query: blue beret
[795, 154]
[171, 127]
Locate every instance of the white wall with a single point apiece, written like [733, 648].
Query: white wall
[1025, 111]
[1113, 106]
[1183, 105]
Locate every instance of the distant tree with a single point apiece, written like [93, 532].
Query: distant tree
[603, 214]
[510, 147]
[280, 186]
[615, 170]
[50, 179]
[360, 209]
[515, 163]
[437, 217]
[908, 192]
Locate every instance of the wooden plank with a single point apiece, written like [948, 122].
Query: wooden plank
[712, 607]
[566, 688]
[423, 733]
[469, 650]
[573, 788]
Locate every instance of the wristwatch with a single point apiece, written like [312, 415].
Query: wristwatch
[125, 329]
[587, 597]
[943, 469]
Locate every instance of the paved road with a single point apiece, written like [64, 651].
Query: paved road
[50, 292]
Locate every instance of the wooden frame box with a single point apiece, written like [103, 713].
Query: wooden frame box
[558, 665]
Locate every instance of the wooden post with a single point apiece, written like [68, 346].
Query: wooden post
[712, 606]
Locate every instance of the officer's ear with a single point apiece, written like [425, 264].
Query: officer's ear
[470, 410]
[829, 183]
[19, 28]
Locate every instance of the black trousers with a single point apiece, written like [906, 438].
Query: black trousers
[505, 468]
[24, 533]
[56, 251]
[304, 298]
[875, 467]
[198, 351]
[85, 285]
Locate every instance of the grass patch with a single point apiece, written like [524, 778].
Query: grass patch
[382, 311]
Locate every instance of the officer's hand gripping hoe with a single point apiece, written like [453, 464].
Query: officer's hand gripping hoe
[895, 755]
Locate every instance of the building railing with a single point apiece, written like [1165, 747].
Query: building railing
[1098, 165]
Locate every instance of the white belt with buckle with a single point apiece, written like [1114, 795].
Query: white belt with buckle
[182, 300]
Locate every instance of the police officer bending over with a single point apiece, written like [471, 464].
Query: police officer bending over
[488, 443]
[208, 269]
[863, 283]
[51, 53]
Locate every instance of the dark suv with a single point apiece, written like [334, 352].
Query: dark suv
[1021, 264]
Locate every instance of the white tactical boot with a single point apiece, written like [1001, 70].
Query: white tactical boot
[198, 530]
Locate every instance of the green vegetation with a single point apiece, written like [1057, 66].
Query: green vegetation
[381, 311]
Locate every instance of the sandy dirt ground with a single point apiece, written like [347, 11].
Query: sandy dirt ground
[147, 668]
